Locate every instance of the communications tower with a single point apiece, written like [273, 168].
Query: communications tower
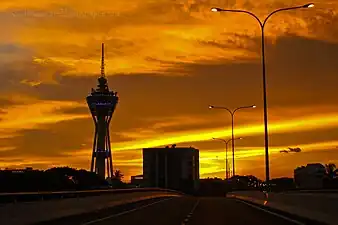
[102, 103]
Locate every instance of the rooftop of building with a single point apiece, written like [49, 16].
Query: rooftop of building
[171, 148]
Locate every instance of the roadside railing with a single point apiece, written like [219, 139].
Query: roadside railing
[289, 190]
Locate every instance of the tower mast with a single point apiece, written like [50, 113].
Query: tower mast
[102, 61]
[102, 103]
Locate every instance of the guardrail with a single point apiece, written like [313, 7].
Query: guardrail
[291, 190]
[312, 191]
[42, 196]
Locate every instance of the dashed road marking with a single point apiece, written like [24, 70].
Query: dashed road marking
[186, 220]
[272, 213]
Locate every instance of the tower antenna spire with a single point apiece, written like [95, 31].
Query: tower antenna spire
[102, 61]
[102, 103]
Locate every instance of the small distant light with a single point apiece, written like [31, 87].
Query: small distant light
[214, 10]
[254, 106]
[210, 106]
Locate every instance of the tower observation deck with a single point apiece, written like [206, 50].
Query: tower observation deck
[102, 103]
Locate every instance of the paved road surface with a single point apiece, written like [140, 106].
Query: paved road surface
[188, 211]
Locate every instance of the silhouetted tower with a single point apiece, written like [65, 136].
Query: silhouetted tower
[102, 103]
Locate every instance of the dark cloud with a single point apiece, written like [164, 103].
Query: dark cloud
[231, 41]
[68, 88]
[76, 110]
[6, 102]
[11, 48]
[52, 140]
[55, 140]
[16, 76]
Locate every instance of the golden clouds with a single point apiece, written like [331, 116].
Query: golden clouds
[284, 126]
[34, 113]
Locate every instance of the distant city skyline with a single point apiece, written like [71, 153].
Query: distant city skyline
[168, 62]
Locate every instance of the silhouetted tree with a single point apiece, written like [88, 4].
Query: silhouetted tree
[53, 179]
[118, 175]
[330, 170]
[116, 180]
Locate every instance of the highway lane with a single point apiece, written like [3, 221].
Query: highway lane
[220, 211]
[164, 212]
[194, 211]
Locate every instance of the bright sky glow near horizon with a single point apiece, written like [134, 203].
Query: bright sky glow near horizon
[168, 60]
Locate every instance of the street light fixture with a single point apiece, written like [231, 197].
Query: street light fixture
[215, 9]
[232, 128]
[262, 26]
[226, 153]
[310, 5]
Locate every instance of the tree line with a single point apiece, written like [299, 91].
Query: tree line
[56, 179]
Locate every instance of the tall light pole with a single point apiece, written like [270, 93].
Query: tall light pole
[226, 154]
[262, 26]
[232, 129]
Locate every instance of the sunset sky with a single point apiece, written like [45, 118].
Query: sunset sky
[168, 60]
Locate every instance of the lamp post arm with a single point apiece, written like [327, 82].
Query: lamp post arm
[244, 11]
[279, 10]
[243, 107]
[220, 107]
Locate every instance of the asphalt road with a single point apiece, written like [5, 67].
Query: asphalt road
[182, 211]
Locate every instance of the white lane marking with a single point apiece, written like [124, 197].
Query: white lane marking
[272, 213]
[186, 220]
[195, 206]
[125, 212]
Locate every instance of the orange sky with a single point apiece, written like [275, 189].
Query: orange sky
[168, 60]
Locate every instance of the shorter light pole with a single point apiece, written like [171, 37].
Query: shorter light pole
[232, 113]
[226, 154]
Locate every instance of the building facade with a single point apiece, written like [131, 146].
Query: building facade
[310, 176]
[137, 180]
[171, 167]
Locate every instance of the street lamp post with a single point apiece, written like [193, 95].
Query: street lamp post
[226, 154]
[226, 159]
[232, 129]
[262, 26]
